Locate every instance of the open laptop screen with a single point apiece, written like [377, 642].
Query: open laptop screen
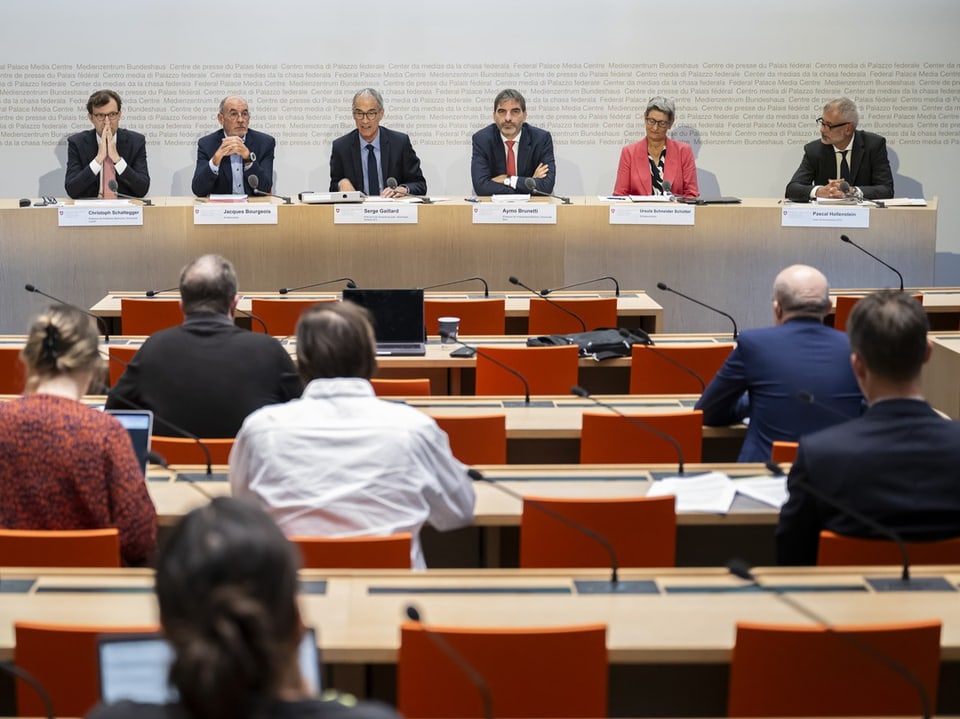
[397, 314]
[139, 425]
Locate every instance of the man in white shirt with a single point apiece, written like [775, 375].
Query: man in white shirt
[339, 461]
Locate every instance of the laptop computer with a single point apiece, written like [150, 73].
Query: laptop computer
[139, 425]
[136, 667]
[398, 320]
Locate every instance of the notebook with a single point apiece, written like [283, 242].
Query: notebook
[139, 425]
[397, 319]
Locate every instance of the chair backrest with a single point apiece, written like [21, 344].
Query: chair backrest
[783, 671]
[652, 373]
[406, 387]
[392, 552]
[12, 372]
[844, 306]
[279, 314]
[60, 547]
[485, 316]
[785, 452]
[548, 370]
[477, 439]
[548, 319]
[535, 672]
[63, 658]
[836, 550]
[144, 316]
[181, 450]
[642, 531]
[121, 357]
[609, 438]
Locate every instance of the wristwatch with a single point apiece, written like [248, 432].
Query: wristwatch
[506, 181]
[253, 157]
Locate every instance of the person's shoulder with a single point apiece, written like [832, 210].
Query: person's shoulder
[871, 138]
[485, 133]
[216, 136]
[131, 134]
[136, 710]
[82, 136]
[535, 132]
[334, 705]
[346, 138]
[395, 134]
[260, 136]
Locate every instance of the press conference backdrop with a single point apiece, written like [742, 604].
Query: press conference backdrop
[749, 78]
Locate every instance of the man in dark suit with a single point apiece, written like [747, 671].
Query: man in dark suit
[508, 152]
[88, 151]
[206, 375]
[898, 463]
[247, 152]
[842, 154]
[769, 367]
[373, 146]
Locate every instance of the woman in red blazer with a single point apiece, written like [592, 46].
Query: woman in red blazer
[670, 160]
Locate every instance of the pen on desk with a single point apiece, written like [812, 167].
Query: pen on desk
[471, 199]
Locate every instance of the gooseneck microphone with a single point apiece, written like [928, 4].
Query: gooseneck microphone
[102, 323]
[532, 188]
[867, 252]
[286, 290]
[581, 392]
[35, 684]
[486, 288]
[154, 293]
[616, 285]
[112, 184]
[498, 363]
[646, 340]
[254, 182]
[578, 318]
[255, 318]
[392, 184]
[663, 286]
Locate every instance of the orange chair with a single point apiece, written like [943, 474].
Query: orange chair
[651, 373]
[547, 319]
[783, 671]
[12, 374]
[279, 314]
[844, 306]
[60, 547]
[549, 370]
[535, 672]
[144, 316]
[785, 452]
[609, 438]
[63, 658]
[643, 532]
[120, 358]
[485, 316]
[836, 550]
[392, 552]
[476, 439]
[181, 450]
[412, 387]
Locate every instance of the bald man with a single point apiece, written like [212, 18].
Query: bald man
[761, 378]
[229, 157]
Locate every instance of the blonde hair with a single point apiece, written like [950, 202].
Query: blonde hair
[62, 340]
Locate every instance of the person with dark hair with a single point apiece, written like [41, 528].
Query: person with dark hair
[769, 367]
[897, 464]
[341, 462]
[226, 584]
[510, 151]
[206, 375]
[228, 157]
[64, 465]
[107, 152]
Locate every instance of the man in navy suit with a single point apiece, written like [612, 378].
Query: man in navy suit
[392, 154]
[842, 154]
[247, 153]
[898, 464]
[762, 377]
[88, 150]
[508, 152]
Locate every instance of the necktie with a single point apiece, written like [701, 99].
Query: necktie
[844, 167]
[511, 159]
[109, 173]
[373, 174]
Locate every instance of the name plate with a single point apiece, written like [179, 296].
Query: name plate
[652, 214]
[489, 213]
[235, 214]
[825, 216]
[376, 214]
[103, 216]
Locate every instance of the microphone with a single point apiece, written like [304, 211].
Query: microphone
[532, 188]
[102, 323]
[392, 184]
[486, 288]
[255, 318]
[663, 286]
[154, 293]
[286, 290]
[808, 398]
[667, 186]
[627, 334]
[891, 267]
[112, 184]
[578, 318]
[508, 368]
[255, 184]
[413, 614]
[741, 569]
[544, 293]
[35, 684]
[581, 392]
[161, 461]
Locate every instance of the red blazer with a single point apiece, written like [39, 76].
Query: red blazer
[633, 174]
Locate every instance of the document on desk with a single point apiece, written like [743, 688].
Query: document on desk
[769, 490]
[710, 492]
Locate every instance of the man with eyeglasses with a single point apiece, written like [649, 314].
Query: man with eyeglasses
[365, 158]
[843, 154]
[227, 158]
[105, 153]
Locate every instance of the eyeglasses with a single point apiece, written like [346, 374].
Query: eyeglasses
[822, 123]
[662, 124]
[101, 116]
[234, 115]
[369, 114]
